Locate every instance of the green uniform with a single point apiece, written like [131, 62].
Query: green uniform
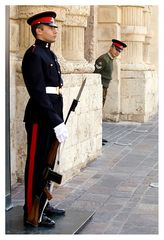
[104, 66]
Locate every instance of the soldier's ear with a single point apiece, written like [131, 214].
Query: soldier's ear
[39, 30]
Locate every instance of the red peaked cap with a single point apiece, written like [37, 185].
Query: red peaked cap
[47, 18]
[118, 44]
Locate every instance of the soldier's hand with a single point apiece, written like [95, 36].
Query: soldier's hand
[61, 132]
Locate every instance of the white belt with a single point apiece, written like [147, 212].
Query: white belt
[54, 90]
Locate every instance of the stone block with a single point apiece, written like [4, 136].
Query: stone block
[109, 14]
[106, 33]
[14, 32]
[136, 87]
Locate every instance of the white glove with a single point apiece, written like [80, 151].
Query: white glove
[61, 132]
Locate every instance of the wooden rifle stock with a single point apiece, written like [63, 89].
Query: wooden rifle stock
[52, 153]
[48, 173]
[47, 193]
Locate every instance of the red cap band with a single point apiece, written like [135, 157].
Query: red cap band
[43, 19]
[118, 45]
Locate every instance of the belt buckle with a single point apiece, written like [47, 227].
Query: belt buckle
[60, 91]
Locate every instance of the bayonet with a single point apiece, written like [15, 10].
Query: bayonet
[76, 100]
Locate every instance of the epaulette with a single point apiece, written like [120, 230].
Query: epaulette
[33, 47]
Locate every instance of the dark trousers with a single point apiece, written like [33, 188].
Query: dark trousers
[39, 140]
[104, 94]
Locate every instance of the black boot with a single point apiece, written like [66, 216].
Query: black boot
[51, 211]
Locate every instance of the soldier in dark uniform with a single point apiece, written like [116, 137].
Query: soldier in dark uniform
[44, 112]
[104, 66]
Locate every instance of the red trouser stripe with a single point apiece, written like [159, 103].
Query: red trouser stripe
[31, 166]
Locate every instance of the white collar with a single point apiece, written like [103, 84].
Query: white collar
[110, 55]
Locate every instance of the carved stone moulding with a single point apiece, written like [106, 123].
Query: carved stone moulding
[133, 33]
[78, 10]
[132, 15]
[25, 11]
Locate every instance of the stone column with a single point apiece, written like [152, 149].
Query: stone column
[146, 47]
[91, 35]
[108, 27]
[73, 33]
[138, 80]
[133, 33]
[73, 40]
[14, 48]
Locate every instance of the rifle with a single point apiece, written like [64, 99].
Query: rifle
[48, 173]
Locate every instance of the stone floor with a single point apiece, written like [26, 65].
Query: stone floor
[121, 186]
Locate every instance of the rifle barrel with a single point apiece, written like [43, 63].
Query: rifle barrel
[75, 101]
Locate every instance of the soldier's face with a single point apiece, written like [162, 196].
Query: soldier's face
[113, 51]
[47, 33]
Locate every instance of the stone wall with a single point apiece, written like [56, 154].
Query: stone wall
[138, 94]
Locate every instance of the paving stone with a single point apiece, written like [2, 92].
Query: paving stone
[146, 221]
[133, 229]
[94, 228]
[94, 197]
[147, 208]
[114, 227]
[85, 205]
